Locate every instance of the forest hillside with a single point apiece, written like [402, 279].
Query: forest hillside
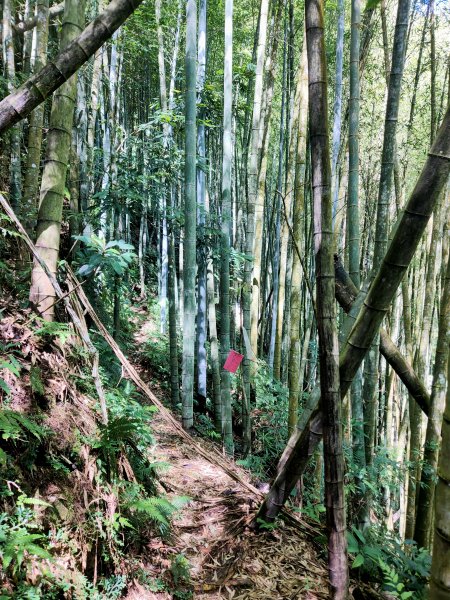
[225, 299]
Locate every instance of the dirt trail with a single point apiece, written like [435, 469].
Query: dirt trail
[215, 533]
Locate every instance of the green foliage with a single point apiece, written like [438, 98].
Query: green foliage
[9, 362]
[8, 238]
[16, 426]
[116, 436]
[313, 510]
[158, 510]
[392, 583]
[36, 382]
[266, 525]
[124, 401]
[52, 329]
[386, 473]
[409, 566]
[205, 427]
[155, 354]
[269, 417]
[181, 573]
[115, 256]
[18, 538]
[124, 508]
[372, 4]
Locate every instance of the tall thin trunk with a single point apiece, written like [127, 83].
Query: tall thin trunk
[407, 235]
[172, 280]
[421, 364]
[353, 237]
[278, 197]
[440, 565]
[213, 338]
[142, 246]
[353, 247]
[253, 171]
[31, 181]
[81, 128]
[92, 119]
[294, 383]
[227, 431]
[173, 337]
[42, 293]
[259, 280]
[422, 533]
[390, 127]
[27, 39]
[337, 108]
[190, 215]
[326, 314]
[201, 193]
[383, 206]
[164, 271]
[15, 187]
[433, 120]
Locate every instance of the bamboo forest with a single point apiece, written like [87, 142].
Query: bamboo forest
[225, 299]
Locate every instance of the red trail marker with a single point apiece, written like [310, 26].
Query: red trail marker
[233, 361]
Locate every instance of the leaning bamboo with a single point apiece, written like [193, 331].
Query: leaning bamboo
[405, 240]
[33, 92]
[346, 293]
[48, 228]
[28, 24]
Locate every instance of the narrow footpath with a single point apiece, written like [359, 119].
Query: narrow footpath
[215, 530]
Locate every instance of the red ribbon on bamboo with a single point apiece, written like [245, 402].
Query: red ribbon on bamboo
[233, 361]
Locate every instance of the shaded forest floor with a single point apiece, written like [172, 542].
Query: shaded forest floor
[213, 549]
[215, 531]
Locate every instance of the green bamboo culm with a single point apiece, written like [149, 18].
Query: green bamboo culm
[440, 566]
[190, 217]
[383, 209]
[424, 520]
[407, 234]
[326, 311]
[353, 235]
[48, 230]
[31, 181]
[227, 431]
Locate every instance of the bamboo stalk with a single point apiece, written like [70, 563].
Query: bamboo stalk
[33, 92]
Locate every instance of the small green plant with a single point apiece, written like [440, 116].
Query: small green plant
[181, 574]
[180, 569]
[409, 566]
[9, 362]
[16, 426]
[391, 582]
[266, 525]
[115, 256]
[269, 417]
[112, 587]
[115, 437]
[36, 382]
[313, 510]
[19, 540]
[158, 510]
[155, 353]
[205, 426]
[53, 329]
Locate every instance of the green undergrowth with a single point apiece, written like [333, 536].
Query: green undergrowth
[399, 569]
[402, 569]
[79, 499]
